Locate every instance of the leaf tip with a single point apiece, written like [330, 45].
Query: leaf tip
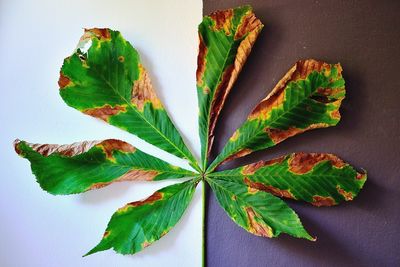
[92, 251]
[16, 146]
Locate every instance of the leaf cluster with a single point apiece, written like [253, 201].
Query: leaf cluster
[104, 78]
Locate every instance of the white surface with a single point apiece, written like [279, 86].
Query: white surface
[36, 228]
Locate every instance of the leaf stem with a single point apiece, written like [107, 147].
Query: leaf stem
[204, 230]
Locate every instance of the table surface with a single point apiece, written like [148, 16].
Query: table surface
[364, 37]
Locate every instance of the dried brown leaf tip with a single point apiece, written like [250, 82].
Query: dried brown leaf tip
[69, 150]
[249, 24]
[100, 33]
[222, 20]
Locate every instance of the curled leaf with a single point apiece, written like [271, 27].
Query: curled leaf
[307, 97]
[79, 167]
[226, 38]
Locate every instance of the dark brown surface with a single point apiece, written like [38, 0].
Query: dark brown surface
[364, 36]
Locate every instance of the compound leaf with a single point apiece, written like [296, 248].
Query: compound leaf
[307, 97]
[226, 38]
[321, 179]
[79, 167]
[140, 223]
[105, 79]
[258, 212]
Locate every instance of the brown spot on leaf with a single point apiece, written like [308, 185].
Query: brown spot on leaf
[16, 146]
[239, 154]
[222, 20]
[346, 195]
[136, 175]
[201, 61]
[278, 135]
[248, 24]
[335, 114]
[206, 90]
[101, 33]
[361, 176]
[63, 81]
[320, 201]
[146, 244]
[256, 224]
[110, 145]
[121, 59]
[98, 185]
[220, 95]
[132, 175]
[329, 91]
[106, 234]
[143, 92]
[300, 163]
[104, 112]
[269, 189]
[252, 168]
[148, 201]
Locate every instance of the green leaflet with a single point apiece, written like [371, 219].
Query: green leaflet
[140, 223]
[307, 97]
[105, 79]
[321, 179]
[258, 212]
[226, 38]
[79, 167]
